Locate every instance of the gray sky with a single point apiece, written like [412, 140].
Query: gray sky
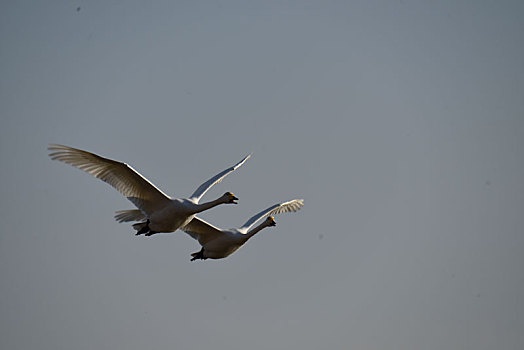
[401, 124]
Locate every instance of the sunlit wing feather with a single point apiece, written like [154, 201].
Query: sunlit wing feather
[286, 207]
[206, 186]
[121, 176]
[202, 231]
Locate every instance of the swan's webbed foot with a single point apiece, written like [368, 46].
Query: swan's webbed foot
[144, 229]
[199, 255]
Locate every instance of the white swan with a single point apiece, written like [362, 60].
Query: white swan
[162, 213]
[217, 243]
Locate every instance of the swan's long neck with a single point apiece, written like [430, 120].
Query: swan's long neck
[208, 205]
[256, 229]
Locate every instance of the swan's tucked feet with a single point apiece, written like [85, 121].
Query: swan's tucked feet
[199, 255]
[150, 233]
[142, 228]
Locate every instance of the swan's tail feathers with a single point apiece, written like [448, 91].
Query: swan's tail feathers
[141, 227]
[129, 215]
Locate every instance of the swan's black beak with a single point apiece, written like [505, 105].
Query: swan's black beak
[272, 221]
[231, 198]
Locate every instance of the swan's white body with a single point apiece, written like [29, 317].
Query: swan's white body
[163, 213]
[217, 243]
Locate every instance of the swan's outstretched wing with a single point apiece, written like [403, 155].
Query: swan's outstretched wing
[121, 176]
[129, 215]
[202, 231]
[202, 189]
[285, 207]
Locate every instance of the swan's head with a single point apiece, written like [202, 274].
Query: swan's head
[271, 221]
[229, 198]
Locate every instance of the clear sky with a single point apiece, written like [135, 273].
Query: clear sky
[401, 124]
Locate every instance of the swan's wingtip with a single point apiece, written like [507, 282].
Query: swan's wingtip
[54, 146]
[239, 164]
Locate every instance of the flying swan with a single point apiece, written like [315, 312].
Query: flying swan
[217, 243]
[161, 212]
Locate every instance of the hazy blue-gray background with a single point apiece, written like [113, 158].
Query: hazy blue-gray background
[401, 123]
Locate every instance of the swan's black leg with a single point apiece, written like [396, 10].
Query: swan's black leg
[150, 233]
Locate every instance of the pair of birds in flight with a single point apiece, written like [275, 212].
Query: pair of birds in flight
[157, 212]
